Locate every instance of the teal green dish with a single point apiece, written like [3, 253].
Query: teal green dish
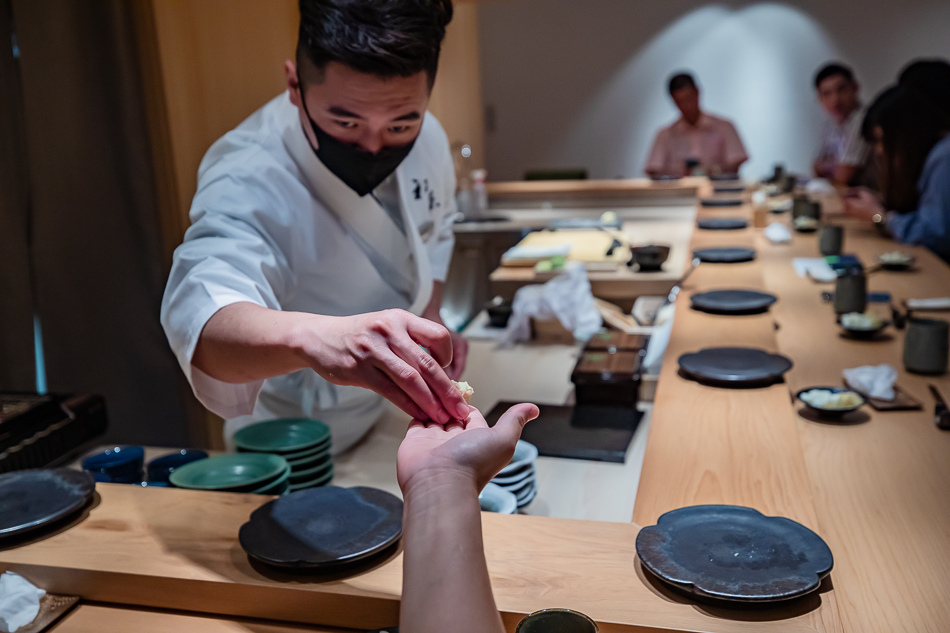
[242, 472]
[310, 462]
[322, 481]
[286, 435]
[275, 487]
[299, 456]
[300, 476]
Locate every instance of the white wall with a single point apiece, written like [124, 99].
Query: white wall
[582, 83]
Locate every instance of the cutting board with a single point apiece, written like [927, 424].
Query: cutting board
[587, 246]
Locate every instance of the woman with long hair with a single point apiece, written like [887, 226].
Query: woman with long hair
[909, 131]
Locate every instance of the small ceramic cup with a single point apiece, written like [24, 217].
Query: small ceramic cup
[556, 621]
[851, 293]
[802, 207]
[831, 239]
[926, 346]
[120, 464]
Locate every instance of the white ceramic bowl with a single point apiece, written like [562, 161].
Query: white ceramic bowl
[525, 454]
[496, 499]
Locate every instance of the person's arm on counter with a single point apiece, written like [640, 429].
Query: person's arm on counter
[441, 470]
[244, 342]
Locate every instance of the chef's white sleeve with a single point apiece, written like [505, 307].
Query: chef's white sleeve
[227, 257]
[440, 255]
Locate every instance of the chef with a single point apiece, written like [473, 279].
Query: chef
[310, 280]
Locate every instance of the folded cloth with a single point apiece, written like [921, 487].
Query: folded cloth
[567, 298]
[659, 339]
[875, 381]
[777, 233]
[814, 267]
[819, 186]
[935, 303]
[19, 601]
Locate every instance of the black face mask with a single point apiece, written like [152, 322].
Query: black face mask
[361, 171]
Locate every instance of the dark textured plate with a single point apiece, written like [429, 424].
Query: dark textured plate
[722, 224]
[732, 301]
[729, 188]
[735, 366]
[734, 553]
[321, 528]
[31, 499]
[721, 202]
[732, 255]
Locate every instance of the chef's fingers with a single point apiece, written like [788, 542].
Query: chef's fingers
[432, 336]
[433, 375]
[382, 384]
[459, 356]
[410, 380]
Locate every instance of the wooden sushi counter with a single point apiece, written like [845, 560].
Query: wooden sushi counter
[153, 559]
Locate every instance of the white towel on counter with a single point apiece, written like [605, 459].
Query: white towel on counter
[19, 601]
[876, 381]
[777, 233]
[814, 268]
[934, 303]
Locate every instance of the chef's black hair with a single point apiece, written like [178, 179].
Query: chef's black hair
[680, 81]
[387, 38]
[834, 69]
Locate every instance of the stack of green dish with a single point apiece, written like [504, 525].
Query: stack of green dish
[244, 472]
[304, 443]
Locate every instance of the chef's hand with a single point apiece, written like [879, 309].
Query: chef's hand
[463, 448]
[383, 351]
[862, 204]
[459, 356]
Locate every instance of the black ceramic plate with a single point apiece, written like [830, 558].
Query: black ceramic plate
[732, 301]
[721, 202]
[31, 499]
[729, 188]
[321, 528]
[722, 224]
[724, 255]
[735, 366]
[734, 553]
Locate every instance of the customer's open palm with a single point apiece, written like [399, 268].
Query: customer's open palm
[468, 447]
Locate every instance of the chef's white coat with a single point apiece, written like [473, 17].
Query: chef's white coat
[271, 225]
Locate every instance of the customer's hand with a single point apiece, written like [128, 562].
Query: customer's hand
[862, 204]
[466, 449]
[383, 351]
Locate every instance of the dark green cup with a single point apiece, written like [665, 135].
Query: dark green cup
[556, 621]
[802, 207]
[831, 239]
[851, 292]
[926, 346]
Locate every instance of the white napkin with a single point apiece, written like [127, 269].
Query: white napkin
[935, 303]
[777, 233]
[819, 186]
[876, 381]
[659, 339]
[814, 267]
[567, 298]
[19, 601]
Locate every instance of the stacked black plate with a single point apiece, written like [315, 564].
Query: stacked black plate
[731, 255]
[31, 500]
[732, 301]
[304, 443]
[722, 224]
[732, 554]
[735, 366]
[323, 528]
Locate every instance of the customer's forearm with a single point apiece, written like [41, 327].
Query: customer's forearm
[243, 342]
[445, 578]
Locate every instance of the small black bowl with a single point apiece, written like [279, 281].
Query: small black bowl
[830, 413]
[898, 266]
[499, 311]
[863, 335]
[649, 258]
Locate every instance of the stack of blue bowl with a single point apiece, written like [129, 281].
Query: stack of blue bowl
[304, 443]
[117, 465]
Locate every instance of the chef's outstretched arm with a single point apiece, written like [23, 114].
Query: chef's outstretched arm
[245, 342]
[445, 582]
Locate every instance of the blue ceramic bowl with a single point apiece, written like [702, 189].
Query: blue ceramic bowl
[121, 464]
[160, 468]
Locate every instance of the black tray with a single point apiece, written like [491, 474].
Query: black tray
[721, 202]
[730, 255]
[735, 366]
[722, 224]
[734, 554]
[732, 301]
